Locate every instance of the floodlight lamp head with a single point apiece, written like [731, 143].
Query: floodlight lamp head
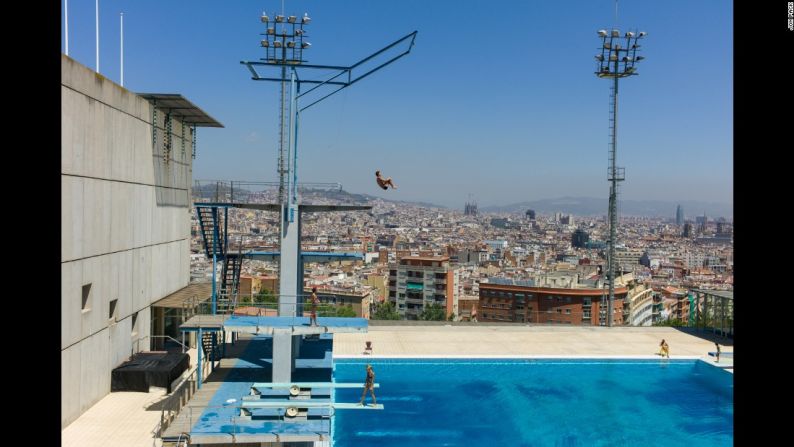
[271, 31]
[607, 45]
[290, 44]
[599, 57]
[279, 18]
[305, 45]
[277, 44]
[613, 57]
[306, 19]
[291, 19]
[629, 34]
[299, 32]
[643, 34]
[265, 18]
[626, 59]
[615, 33]
[639, 58]
[602, 33]
[265, 43]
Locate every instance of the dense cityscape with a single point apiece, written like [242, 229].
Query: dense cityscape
[660, 260]
[282, 307]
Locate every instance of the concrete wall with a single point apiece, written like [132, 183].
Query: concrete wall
[125, 227]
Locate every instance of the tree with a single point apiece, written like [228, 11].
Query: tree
[674, 322]
[433, 312]
[266, 296]
[345, 311]
[385, 311]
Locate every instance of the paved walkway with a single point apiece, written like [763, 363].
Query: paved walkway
[120, 419]
[521, 340]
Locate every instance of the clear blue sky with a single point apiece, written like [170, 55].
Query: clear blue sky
[497, 99]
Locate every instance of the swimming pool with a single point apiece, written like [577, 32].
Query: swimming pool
[537, 402]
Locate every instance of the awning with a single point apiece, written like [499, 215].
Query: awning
[200, 291]
[414, 286]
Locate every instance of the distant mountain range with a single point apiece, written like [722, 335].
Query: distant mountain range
[211, 190]
[590, 206]
[580, 206]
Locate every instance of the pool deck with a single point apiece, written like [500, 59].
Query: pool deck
[506, 341]
[122, 419]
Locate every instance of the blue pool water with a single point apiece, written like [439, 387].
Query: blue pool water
[537, 403]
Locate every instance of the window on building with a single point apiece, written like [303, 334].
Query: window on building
[135, 324]
[587, 301]
[567, 311]
[112, 310]
[86, 295]
[559, 311]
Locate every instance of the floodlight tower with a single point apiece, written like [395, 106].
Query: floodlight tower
[617, 60]
[284, 44]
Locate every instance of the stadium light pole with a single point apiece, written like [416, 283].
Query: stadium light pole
[617, 60]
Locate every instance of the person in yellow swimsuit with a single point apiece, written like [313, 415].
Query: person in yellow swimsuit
[664, 349]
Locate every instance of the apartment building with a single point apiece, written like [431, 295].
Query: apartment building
[418, 281]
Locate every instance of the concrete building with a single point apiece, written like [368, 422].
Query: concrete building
[125, 223]
[417, 281]
[360, 300]
[627, 258]
[526, 304]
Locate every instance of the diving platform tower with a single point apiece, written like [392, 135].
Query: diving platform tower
[284, 44]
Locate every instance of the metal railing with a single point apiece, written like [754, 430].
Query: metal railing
[248, 307]
[180, 396]
[244, 424]
[136, 344]
[240, 191]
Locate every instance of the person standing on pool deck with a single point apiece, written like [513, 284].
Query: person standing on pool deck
[718, 351]
[369, 385]
[664, 349]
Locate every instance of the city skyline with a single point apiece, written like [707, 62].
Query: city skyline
[437, 121]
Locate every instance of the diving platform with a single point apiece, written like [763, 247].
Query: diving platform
[304, 208]
[270, 325]
[306, 403]
[310, 385]
[307, 256]
[213, 414]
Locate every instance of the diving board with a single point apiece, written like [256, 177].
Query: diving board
[269, 325]
[309, 385]
[309, 404]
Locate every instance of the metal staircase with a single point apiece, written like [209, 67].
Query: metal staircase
[211, 231]
[230, 282]
[210, 346]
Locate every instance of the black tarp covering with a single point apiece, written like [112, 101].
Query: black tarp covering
[149, 368]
